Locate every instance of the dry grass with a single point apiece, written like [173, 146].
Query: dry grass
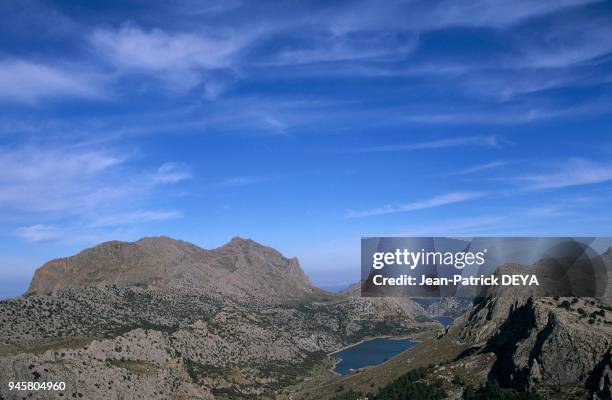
[137, 366]
[42, 346]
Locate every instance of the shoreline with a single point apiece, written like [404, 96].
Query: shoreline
[337, 360]
[368, 338]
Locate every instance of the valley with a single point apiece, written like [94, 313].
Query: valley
[160, 318]
[179, 335]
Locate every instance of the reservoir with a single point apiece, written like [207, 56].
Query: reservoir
[446, 321]
[370, 352]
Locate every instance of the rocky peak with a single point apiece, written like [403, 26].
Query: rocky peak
[237, 240]
[238, 243]
[239, 267]
[531, 336]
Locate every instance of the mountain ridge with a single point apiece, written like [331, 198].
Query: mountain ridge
[239, 267]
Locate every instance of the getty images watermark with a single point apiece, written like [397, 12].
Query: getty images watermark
[470, 267]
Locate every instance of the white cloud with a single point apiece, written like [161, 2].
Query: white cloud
[574, 172]
[79, 189]
[75, 234]
[566, 44]
[49, 180]
[455, 227]
[303, 35]
[30, 164]
[385, 46]
[38, 233]
[172, 173]
[136, 218]
[179, 59]
[536, 57]
[368, 31]
[480, 167]
[512, 115]
[490, 13]
[432, 202]
[487, 141]
[27, 82]
[240, 181]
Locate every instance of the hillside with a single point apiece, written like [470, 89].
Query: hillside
[557, 347]
[161, 318]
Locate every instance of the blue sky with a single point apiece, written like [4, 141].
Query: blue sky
[302, 125]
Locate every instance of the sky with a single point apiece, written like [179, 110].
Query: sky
[304, 125]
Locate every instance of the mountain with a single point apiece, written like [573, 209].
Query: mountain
[161, 318]
[444, 306]
[387, 305]
[556, 347]
[241, 267]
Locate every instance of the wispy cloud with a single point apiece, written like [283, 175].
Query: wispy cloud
[157, 50]
[27, 82]
[330, 47]
[486, 13]
[72, 235]
[38, 233]
[480, 167]
[81, 187]
[523, 113]
[432, 202]
[574, 172]
[201, 46]
[570, 41]
[241, 181]
[469, 226]
[136, 218]
[171, 172]
[486, 141]
[36, 179]
[178, 59]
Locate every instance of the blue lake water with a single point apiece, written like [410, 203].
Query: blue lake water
[446, 321]
[370, 352]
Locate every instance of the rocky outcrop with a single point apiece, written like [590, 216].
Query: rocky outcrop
[551, 345]
[445, 306]
[390, 306]
[241, 268]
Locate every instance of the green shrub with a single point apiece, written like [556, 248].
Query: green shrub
[564, 304]
[458, 380]
[412, 386]
[491, 391]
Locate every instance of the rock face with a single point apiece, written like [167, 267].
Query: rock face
[241, 267]
[445, 306]
[551, 345]
[400, 306]
[543, 344]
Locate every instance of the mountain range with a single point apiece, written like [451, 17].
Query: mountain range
[542, 347]
[164, 319]
[161, 318]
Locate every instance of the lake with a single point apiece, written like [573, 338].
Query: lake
[446, 321]
[370, 352]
